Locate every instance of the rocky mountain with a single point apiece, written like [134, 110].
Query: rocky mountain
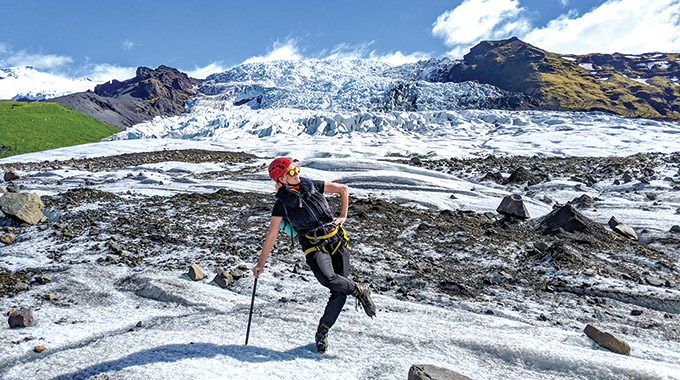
[152, 92]
[644, 85]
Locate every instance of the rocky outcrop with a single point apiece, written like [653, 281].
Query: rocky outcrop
[23, 207]
[152, 92]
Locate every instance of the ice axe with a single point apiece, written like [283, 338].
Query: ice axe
[250, 317]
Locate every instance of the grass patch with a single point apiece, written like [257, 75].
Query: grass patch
[36, 126]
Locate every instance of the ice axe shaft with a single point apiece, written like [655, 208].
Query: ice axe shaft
[250, 317]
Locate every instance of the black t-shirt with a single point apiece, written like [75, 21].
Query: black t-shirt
[278, 205]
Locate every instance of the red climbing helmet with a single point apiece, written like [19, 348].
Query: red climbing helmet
[278, 167]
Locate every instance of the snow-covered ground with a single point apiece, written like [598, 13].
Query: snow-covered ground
[115, 322]
[197, 329]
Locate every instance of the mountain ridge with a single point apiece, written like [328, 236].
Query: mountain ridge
[152, 92]
[643, 85]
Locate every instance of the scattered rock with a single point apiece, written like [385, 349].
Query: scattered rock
[236, 274]
[583, 201]
[42, 279]
[547, 200]
[139, 324]
[654, 281]
[22, 286]
[627, 177]
[607, 340]
[495, 177]
[50, 297]
[675, 229]
[21, 318]
[114, 246]
[636, 312]
[13, 188]
[522, 175]
[39, 349]
[7, 238]
[513, 206]
[195, 273]
[223, 279]
[567, 219]
[622, 229]
[651, 196]
[10, 176]
[613, 222]
[581, 187]
[417, 161]
[431, 372]
[26, 207]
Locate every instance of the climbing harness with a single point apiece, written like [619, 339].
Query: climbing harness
[326, 242]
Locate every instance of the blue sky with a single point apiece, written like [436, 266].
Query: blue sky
[102, 39]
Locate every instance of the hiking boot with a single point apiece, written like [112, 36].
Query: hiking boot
[321, 342]
[363, 296]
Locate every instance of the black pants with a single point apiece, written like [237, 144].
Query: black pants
[332, 271]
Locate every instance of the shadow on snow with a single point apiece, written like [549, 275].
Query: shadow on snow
[176, 352]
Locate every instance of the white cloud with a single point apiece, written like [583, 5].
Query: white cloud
[476, 20]
[279, 52]
[127, 44]
[104, 72]
[349, 51]
[38, 61]
[399, 58]
[203, 72]
[625, 26]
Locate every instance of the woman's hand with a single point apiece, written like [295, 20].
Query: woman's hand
[257, 269]
[339, 221]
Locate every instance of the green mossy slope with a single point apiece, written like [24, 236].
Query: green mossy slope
[628, 85]
[35, 126]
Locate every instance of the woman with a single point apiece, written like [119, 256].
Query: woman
[301, 205]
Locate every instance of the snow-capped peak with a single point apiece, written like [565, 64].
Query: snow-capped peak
[27, 83]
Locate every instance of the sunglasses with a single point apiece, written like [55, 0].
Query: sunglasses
[292, 172]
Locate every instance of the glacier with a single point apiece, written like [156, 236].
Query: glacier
[355, 122]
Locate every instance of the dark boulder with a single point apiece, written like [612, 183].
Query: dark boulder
[431, 372]
[513, 206]
[567, 219]
[583, 201]
[522, 175]
[21, 318]
[10, 176]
